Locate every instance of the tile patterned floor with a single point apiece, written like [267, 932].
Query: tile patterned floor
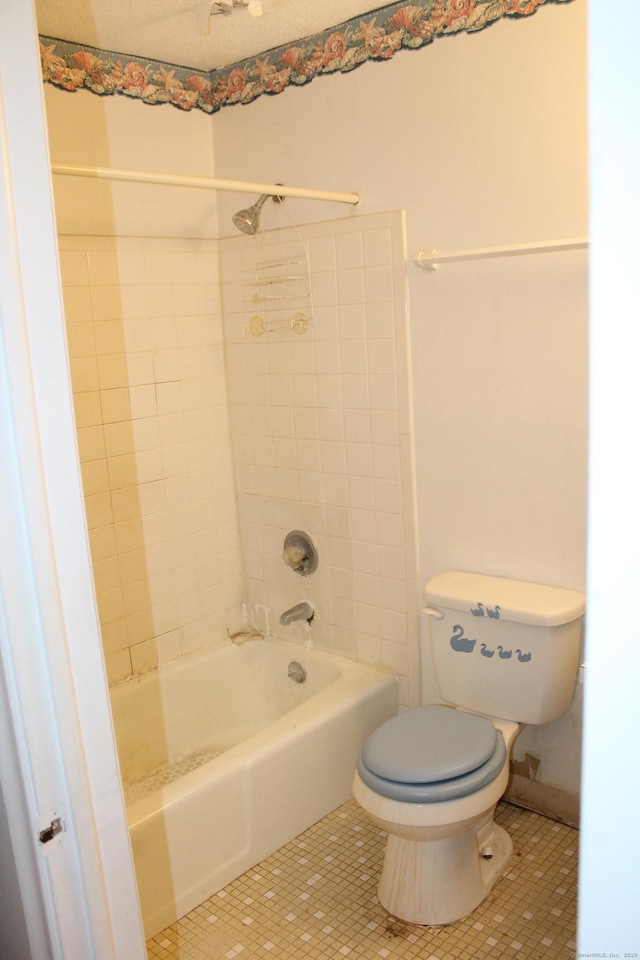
[315, 899]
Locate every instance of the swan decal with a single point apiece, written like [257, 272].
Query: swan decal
[462, 644]
[479, 611]
[459, 642]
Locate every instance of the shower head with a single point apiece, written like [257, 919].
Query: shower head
[247, 220]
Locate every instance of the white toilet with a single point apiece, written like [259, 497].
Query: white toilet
[505, 654]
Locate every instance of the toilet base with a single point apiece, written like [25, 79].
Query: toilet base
[435, 882]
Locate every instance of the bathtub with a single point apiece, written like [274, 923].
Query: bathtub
[224, 759]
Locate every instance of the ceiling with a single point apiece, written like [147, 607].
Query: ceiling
[173, 31]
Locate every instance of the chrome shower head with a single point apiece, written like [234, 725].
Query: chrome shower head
[247, 220]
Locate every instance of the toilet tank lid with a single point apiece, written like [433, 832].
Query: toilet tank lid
[516, 600]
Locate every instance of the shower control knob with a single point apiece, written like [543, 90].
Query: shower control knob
[300, 552]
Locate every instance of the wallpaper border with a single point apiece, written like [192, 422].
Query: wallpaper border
[376, 36]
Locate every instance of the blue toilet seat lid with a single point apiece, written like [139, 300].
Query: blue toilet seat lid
[432, 754]
[429, 744]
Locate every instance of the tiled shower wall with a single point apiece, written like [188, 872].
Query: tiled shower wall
[201, 449]
[148, 374]
[320, 426]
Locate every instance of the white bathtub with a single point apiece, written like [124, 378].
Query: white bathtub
[252, 757]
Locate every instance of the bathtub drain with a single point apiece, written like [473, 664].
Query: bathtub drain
[296, 672]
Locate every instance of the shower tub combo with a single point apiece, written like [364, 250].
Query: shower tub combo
[225, 758]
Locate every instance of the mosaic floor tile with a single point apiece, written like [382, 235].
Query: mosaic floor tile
[315, 899]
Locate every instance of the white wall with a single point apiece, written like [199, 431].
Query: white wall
[87, 130]
[481, 139]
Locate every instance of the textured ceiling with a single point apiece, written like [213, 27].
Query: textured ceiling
[173, 30]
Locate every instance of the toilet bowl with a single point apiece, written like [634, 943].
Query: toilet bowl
[444, 852]
[431, 777]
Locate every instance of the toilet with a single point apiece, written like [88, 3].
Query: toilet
[505, 653]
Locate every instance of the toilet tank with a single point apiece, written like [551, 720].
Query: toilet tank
[504, 648]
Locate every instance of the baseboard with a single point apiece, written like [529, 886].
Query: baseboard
[550, 801]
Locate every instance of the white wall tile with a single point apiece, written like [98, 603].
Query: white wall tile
[353, 357]
[74, 268]
[77, 304]
[103, 267]
[322, 253]
[352, 320]
[140, 367]
[377, 247]
[315, 423]
[80, 340]
[349, 252]
[143, 401]
[84, 372]
[381, 322]
[325, 409]
[355, 392]
[88, 411]
[351, 286]
[91, 444]
[153, 431]
[106, 303]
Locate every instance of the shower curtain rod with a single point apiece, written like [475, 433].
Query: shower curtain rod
[206, 183]
[429, 259]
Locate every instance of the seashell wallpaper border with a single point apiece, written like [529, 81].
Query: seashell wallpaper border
[377, 36]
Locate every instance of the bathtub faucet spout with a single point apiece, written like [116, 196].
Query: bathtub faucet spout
[301, 611]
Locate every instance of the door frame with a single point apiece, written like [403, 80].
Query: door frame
[59, 761]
